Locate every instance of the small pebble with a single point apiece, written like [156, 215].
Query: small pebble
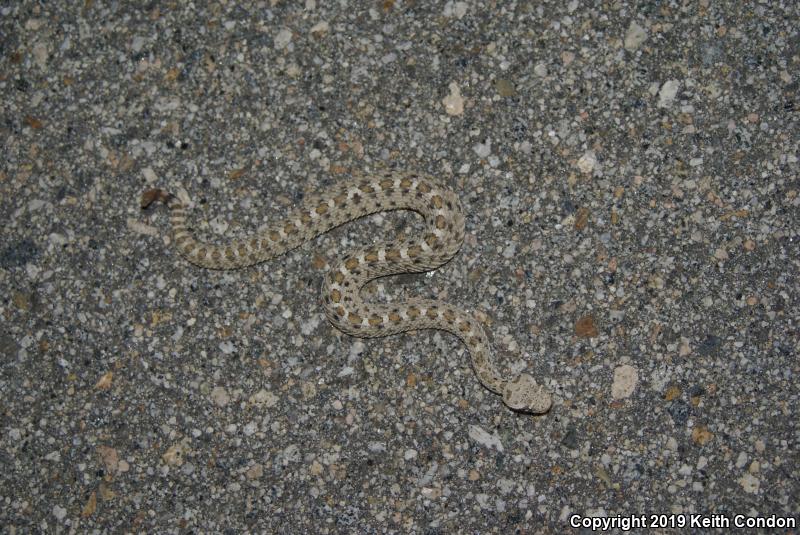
[625, 380]
[667, 93]
[220, 396]
[635, 36]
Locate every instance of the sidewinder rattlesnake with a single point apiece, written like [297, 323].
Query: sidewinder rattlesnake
[358, 197]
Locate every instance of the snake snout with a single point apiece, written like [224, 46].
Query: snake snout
[524, 394]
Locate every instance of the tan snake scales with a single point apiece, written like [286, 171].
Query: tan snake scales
[441, 240]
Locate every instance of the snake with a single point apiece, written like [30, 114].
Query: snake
[354, 198]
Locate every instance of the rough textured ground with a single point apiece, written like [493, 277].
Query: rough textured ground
[630, 176]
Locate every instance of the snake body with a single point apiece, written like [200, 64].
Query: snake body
[440, 241]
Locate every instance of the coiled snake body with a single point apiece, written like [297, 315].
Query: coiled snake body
[442, 238]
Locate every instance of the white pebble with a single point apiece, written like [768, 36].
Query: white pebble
[149, 175]
[264, 397]
[137, 43]
[33, 24]
[320, 27]
[483, 149]
[635, 36]
[484, 438]
[455, 9]
[59, 512]
[454, 102]
[283, 38]
[749, 483]
[625, 379]
[587, 162]
[40, 54]
[220, 396]
[667, 93]
[741, 460]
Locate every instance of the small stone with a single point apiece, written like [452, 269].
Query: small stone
[255, 471]
[701, 435]
[316, 468]
[137, 43]
[667, 93]
[264, 397]
[283, 38]
[625, 380]
[175, 454]
[749, 483]
[504, 87]
[581, 218]
[91, 505]
[483, 437]
[454, 102]
[585, 327]
[410, 454]
[455, 9]
[587, 162]
[59, 512]
[36, 124]
[105, 381]
[320, 28]
[483, 149]
[33, 24]
[40, 54]
[110, 458]
[220, 396]
[635, 36]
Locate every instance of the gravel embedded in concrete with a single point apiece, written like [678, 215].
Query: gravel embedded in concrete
[630, 179]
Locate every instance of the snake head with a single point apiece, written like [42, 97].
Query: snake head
[524, 394]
